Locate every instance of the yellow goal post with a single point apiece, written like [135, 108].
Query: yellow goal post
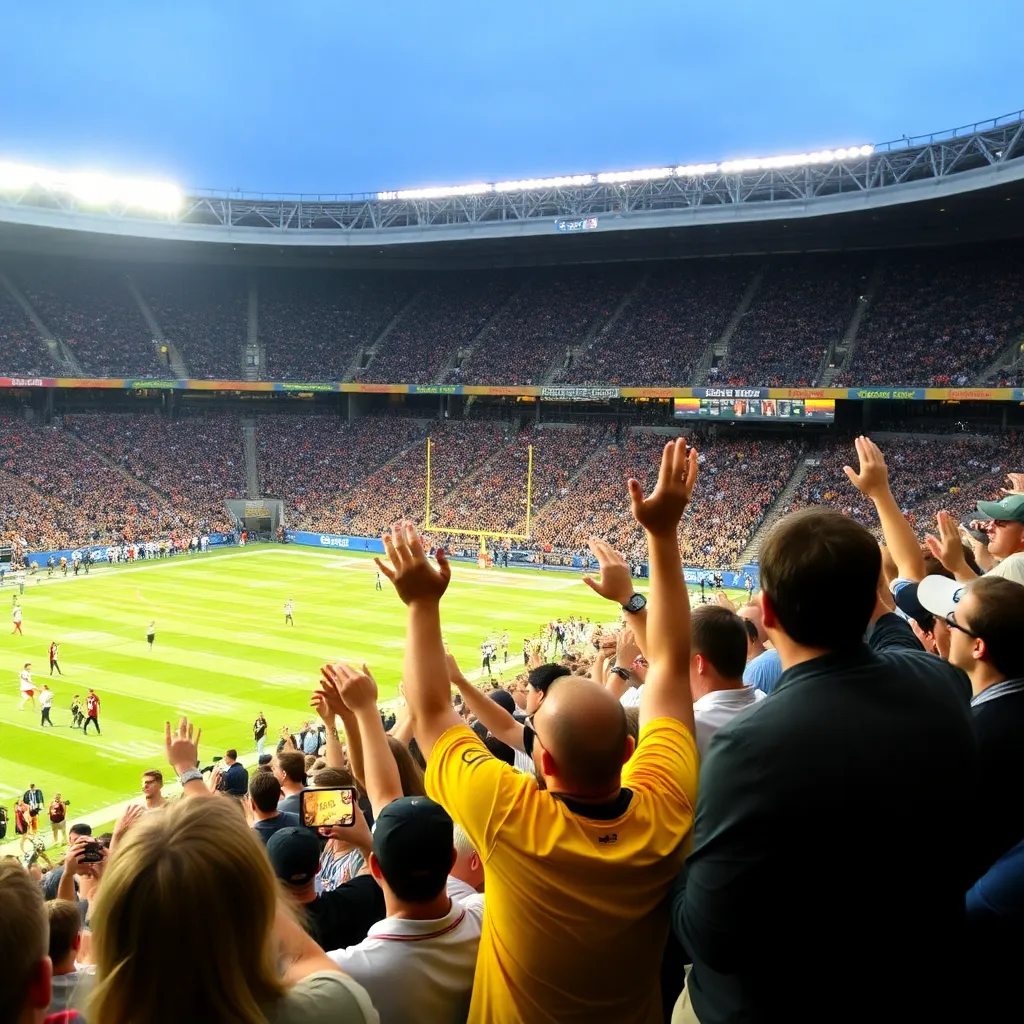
[428, 526]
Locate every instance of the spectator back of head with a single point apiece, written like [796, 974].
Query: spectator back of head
[294, 855]
[819, 578]
[413, 847]
[65, 926]
[265, 791]
[23, 942]
[720, 636]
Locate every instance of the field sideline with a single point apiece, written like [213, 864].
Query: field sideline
[223, 653]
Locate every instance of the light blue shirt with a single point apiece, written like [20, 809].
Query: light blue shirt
[764, 671]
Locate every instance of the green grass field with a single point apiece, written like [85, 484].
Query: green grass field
[223, 653]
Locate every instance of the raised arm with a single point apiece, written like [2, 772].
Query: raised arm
[358, 689]
[616, 584]
[182, 749]
[421, 587]
[667, 687]
[872, 481]
[325, 705]
[495, 718]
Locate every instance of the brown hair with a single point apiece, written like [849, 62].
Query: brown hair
[409, 770]
[720, 636]
[293, 764]
[265, 791]
[819, 572]
[153, 773]
[65, 924]
[330, 778]
[997, 618]
[23, 938]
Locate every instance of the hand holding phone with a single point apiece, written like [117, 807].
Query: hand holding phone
[329, 808]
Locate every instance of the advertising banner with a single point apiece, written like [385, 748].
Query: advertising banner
[580, 394]
[335, 541]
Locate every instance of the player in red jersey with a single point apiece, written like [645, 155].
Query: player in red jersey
[92, 712]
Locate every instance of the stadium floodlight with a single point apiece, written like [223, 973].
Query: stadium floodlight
[444, 192]
[93, 189]
[566, 181]
[626, 177]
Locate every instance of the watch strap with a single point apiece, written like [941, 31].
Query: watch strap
[192, 775]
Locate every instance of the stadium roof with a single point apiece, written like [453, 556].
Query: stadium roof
[966, 184]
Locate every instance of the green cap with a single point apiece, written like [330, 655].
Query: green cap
[1009, 510]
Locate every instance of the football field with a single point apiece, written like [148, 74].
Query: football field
[223, 653]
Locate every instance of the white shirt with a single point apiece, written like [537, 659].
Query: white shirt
[17, 613]
[631, 698]
[1010, 568]
[718, 708]
[26, 680]
[418, 972]
[46, 698]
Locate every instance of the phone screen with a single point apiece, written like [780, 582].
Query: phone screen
[325, 808]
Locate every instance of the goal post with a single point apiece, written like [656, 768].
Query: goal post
[481, 534]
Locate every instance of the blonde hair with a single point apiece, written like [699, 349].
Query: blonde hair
[195, 870]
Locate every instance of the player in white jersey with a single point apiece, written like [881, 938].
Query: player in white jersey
[288, 609]
[28, 690]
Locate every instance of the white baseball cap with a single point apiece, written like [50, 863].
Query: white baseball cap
[940, 595]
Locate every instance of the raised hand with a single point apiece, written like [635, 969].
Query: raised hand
[132, 813]
[947, 547]
[616, 582]
[627, 650]
[321, 704]
[181, 747]
[358, 689]
[415, 579]
[873, 478]
[660, 514]
[1016, 482]
[455, 674]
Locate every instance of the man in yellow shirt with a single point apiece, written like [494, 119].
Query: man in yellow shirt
[577, 871]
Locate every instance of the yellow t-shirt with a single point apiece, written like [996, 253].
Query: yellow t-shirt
[576, 907]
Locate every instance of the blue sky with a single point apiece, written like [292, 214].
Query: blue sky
[309, 95]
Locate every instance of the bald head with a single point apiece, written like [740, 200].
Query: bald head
[582, 727]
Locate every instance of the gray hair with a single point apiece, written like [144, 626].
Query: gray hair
[464, 846]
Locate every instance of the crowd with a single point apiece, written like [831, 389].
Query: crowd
[206, 317]
[681, 309]
[312, 325]
[445, 319]
[95, 315]
[940, 318]
[549, 314]
[22, 351]
[193, 461]
[620, 833]
[800, 308]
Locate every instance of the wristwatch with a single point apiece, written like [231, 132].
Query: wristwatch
[637, 603]
[192, 775]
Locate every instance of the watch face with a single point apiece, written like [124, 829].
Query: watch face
[635, 603]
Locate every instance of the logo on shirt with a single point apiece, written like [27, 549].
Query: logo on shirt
[472, 756]
[612, 837]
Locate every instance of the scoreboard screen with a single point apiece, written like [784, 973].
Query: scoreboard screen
[823, 410]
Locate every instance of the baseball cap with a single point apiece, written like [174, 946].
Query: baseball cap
[412, 841]
[1008, 509]
[294, 855]
[265, 759]
[940, 595]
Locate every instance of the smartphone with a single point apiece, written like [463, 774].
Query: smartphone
[327, 808]
[92, 854]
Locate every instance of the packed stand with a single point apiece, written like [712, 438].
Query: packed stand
[940, 318]
[459, 449]
[29, 517]
[315, 462]
[95, 315]
[204, 316]
[928, 475]
[801, 307]
[195, 461]
[551, 312]
[681, 309]
[494, 499]
[22, 352]
[447, 317]
[312, 325]
[739, 482]
[90, 500]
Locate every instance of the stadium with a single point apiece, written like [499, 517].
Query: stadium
[213, 405]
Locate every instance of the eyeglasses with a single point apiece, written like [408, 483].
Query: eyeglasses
[529, 734]
[953, 624]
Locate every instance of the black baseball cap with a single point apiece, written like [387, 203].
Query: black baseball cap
[294, 855]
[413, 843]
[266, 759]
[504, 700]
